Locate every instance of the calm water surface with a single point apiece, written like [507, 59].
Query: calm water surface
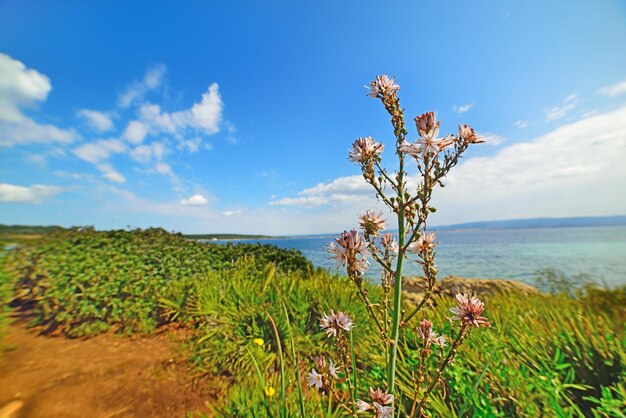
[509, 254]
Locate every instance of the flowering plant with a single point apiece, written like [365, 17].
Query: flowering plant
[435, 156]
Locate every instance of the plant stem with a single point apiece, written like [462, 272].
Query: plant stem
[353, 367]
[282, 367]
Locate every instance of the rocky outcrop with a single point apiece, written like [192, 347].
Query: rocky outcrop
[414, 289]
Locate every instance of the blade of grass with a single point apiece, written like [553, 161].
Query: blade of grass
[282, 367]
[262, 381]
[295, 358]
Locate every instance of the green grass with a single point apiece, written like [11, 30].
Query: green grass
[546, 355]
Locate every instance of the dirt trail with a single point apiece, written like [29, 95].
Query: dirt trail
[105, 376]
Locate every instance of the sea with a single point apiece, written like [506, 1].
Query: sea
[598, 252]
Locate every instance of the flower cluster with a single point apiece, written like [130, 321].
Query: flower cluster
[350, 250]
[372, 223]
[380, 400]
[428, 336]
[424, 244]
[364, 150]
[428, 143]
[317, 379]
[383, 86]
[469, 310]
[389, 243]
[334, 323]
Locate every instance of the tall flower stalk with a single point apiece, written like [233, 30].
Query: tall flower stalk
[409, 200]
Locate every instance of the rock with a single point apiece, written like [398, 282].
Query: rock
[414, 288]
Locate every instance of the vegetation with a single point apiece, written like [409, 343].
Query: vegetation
[550, 354]
[226, 236]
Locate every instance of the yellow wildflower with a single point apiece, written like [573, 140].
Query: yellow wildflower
[259, 342]
[269, 391]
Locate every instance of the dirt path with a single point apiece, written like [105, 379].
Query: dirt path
[105, 376]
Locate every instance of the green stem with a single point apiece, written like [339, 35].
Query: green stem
[353, 367]
[282, 367]
[262, 381]
[295, 358]
[397, 296]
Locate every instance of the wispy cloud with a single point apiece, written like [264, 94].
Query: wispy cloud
[135, 93]
[613, 89]
[566, 172]
[521, 123]
[463, 108]
[98, 121]
[562, 110]
[37, 193]
[492, 139]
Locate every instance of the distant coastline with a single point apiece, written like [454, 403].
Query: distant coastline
[581, 221]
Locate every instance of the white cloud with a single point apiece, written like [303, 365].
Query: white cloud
[492, 139]
[614, 89]
[21, 88]
[521, 124]
[37, 193]
[27, 131]
[135, 93]
[340, 190]
[110, 173]
[164, 168]
[561, 111]
[229, 213]
[208, 113]
[195, 200]
[135, 132]
[96, 120]
[97, 151]
[575, 170]
[462, 109]
[204, 116]
[146, 153]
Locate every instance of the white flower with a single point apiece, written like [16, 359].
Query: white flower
[362, 406]
[383, 85]
[383, 411]
[315, 379]
[363, 149]
[333, 369]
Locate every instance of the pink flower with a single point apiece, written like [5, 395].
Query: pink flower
[335, 323]
[315, 379]
[362, 406]
[381, 396]
[389, 243]
[372, 222]
[469, 311]
[468, 135]
[320, 361]
[364, 149]
[428, 144]
[426, 334]
[383, 86]
[349, 252]
[383, 411]
[424, 243]
[426, 122]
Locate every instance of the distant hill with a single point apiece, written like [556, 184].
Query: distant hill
[539, 223]
[27, 229]
[225, 236]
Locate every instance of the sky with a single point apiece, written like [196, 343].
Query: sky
[237, 117]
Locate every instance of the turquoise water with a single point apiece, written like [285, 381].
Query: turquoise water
[514, 254]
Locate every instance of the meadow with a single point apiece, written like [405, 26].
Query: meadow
[252, 316]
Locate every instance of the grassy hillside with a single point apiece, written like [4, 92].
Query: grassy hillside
[555, 355]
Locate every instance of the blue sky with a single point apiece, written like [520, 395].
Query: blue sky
[237, 116]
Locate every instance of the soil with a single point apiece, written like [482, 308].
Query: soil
[105, 376]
